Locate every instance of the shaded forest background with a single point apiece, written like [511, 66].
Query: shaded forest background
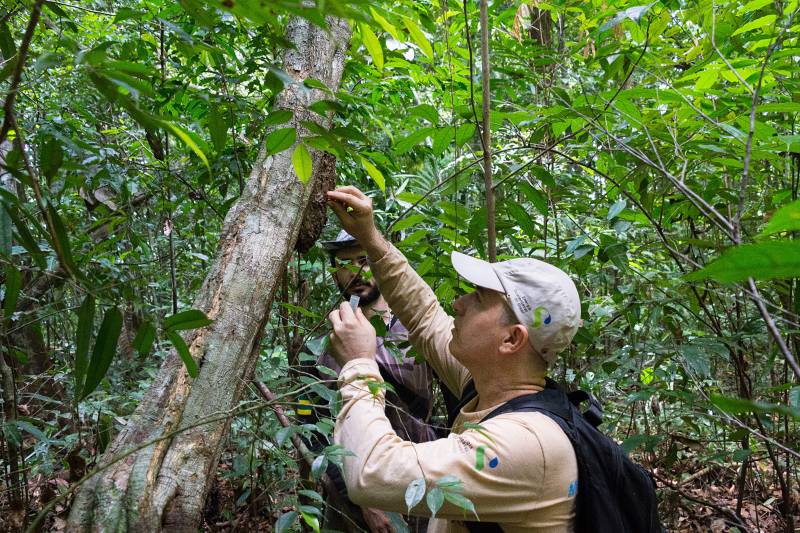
[651, 151]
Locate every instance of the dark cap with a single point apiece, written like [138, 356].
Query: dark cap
[343, 240]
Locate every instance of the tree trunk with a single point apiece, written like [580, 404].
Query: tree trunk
[164, 486]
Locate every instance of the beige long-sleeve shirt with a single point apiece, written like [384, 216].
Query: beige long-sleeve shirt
[518, 469]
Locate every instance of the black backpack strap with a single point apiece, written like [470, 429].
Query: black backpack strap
[467, 394]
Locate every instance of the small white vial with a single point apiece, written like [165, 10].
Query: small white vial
[354, 302]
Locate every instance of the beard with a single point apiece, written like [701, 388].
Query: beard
[367, 293]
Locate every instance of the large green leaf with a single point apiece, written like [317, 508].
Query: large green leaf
[374, 173]
[419, 37]
[105, 346]
[741, 405]
[415, 491]
[301, 161]
[143, 342]
[373, 45]
[61, 242]
[83, 337]
[13, 284]
[184, 353]
[766, 260]
[189, 319]
[787, 218]
[280, 139]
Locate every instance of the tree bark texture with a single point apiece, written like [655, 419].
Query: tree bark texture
[164, 486]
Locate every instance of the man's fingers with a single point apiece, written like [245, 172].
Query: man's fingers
[346, 312]
[338, 209]
[355, 191]
[357, 203]
[335, 318]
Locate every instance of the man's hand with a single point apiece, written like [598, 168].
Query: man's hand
[377, 521]
[353, 336]
[354, 210]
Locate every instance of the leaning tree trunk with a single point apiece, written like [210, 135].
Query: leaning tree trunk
[164, 486]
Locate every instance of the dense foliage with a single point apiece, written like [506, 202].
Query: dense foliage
[649, 150]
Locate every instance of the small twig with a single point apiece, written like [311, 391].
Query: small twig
[302, 449]
[727, 512]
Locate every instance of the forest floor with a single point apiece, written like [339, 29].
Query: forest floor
[693, 498]
[704, 503]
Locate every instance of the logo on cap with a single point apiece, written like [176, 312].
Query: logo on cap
[541, 316]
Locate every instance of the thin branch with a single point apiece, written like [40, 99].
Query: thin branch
[22, 54]
[487, 134]
[727, 512]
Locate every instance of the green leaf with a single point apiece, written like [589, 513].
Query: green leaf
[787, 218]
[83, 337]
[6, 232]
[183, 352]
[374, 173]
[281, 116]
[301, 161]
[464, 133]
[373, 45]
[386, 25]
[105, 346]
[312, 521]
[12, 285]
[312, 495]
[143, 342]
[741, 405]
[181, 134]
[616, 209]
[280, 139]
[414, 493]
[397, 522]
[319, 466]
[794, 397]
[633, 13]
[189, 319]
[779, 107]
[698, 359]
[218, 127]
[429, 113]
[534, 196]
[285, 521]
[61, 243]
[522, 218]
[50, 158]
[33, 430]
[766, 20]
[418, 37]
[755, 5]
[459, 500]
[441, 140]
[409, 221]
[435, 500]
[766, 260]
[413, 139]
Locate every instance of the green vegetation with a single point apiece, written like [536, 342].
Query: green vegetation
[651, 151]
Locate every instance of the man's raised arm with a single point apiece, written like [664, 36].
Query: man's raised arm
[409, 297]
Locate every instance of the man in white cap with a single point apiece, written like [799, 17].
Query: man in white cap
[518, 469]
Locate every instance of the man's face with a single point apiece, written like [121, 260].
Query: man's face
[479, 325]
[352, 282]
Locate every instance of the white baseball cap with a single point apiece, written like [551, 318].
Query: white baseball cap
[542, 297]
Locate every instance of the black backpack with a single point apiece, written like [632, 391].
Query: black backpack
[615, 495]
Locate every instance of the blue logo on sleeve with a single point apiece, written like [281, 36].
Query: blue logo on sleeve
[573, 488]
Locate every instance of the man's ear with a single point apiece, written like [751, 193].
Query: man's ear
[514, 339]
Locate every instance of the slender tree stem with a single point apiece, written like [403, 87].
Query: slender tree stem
[487, 133]
[22, 54]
